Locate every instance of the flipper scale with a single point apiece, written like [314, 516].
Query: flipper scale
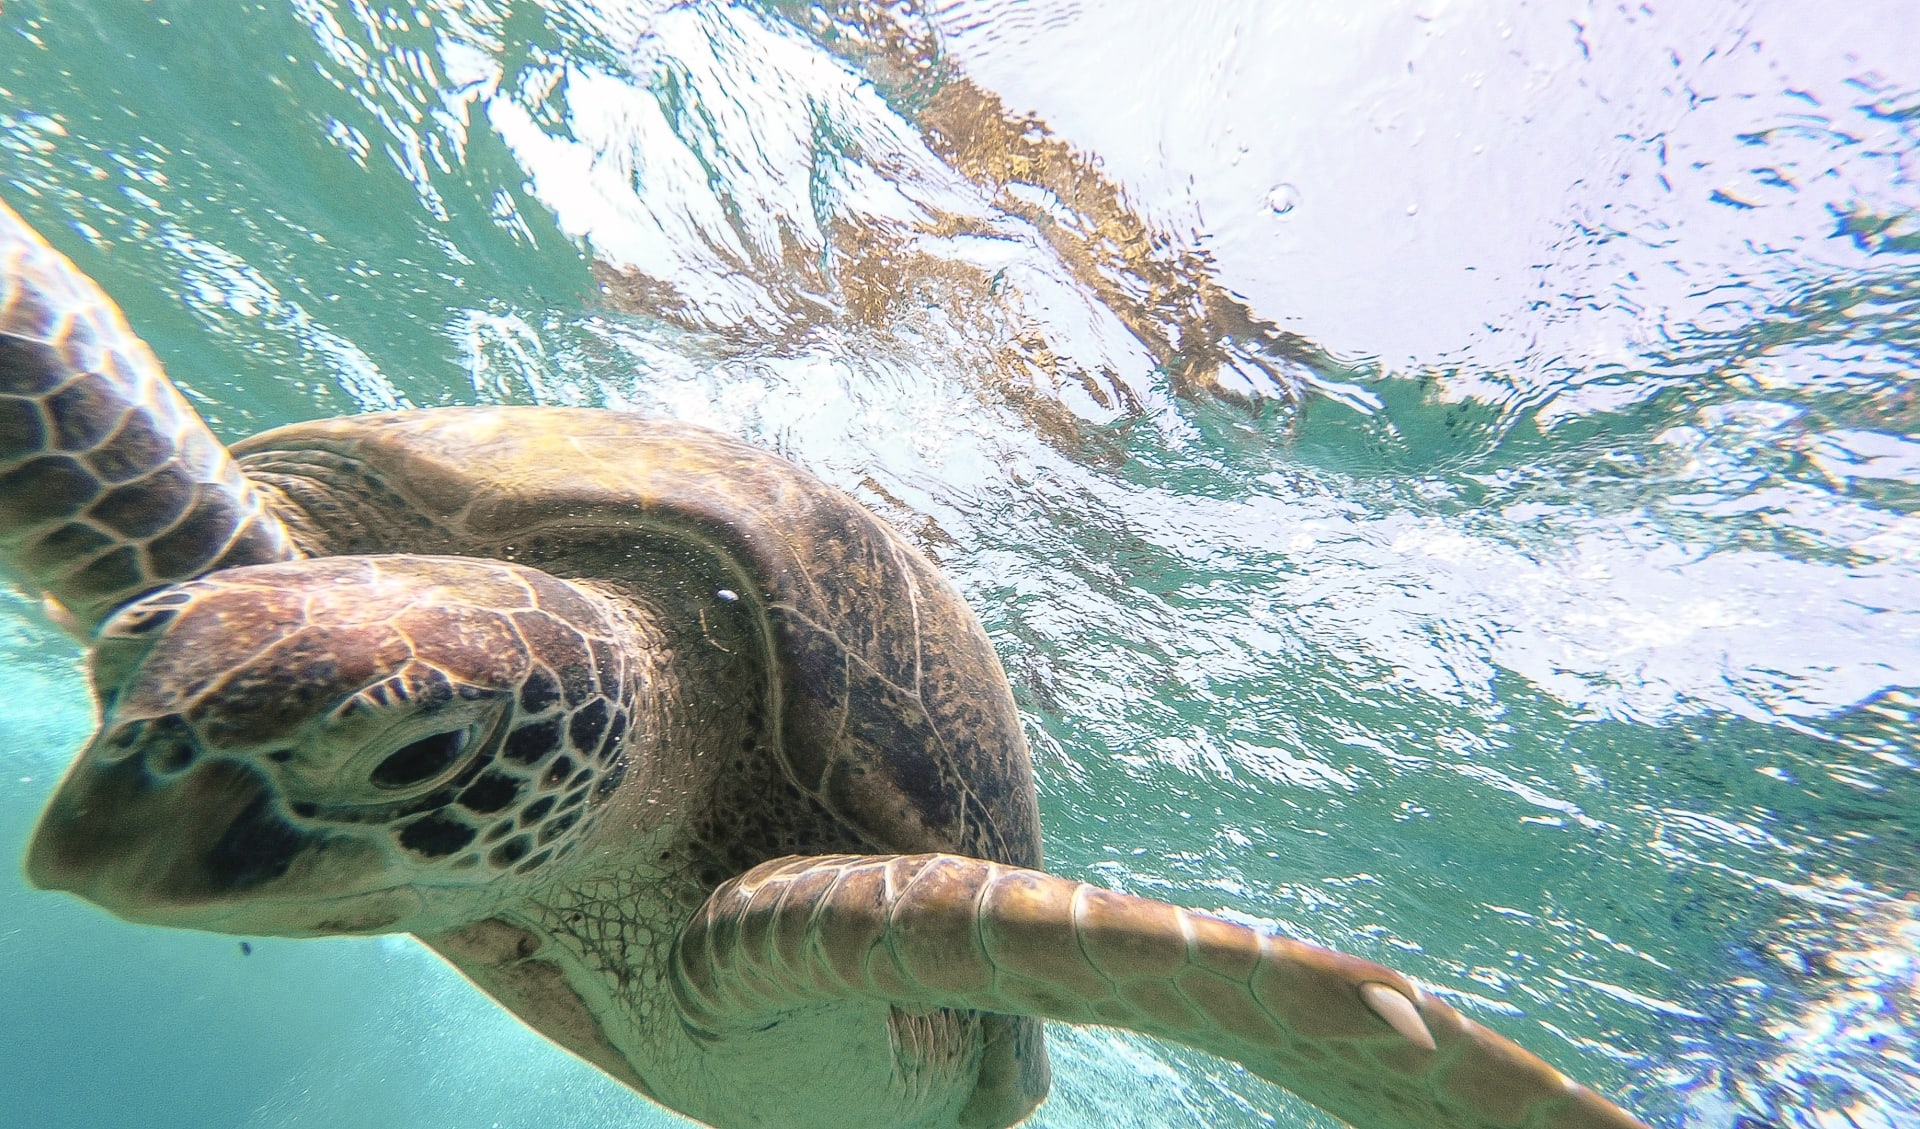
[927, 931]
[110, 484]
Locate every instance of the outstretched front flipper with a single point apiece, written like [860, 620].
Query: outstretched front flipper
[110, 485]
[924, 931]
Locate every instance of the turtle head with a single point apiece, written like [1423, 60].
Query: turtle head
[339, 745]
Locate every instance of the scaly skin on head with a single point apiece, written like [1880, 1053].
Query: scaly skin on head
[341, 745]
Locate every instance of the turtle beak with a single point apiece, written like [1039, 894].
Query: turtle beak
[139, 846]
[203, 848]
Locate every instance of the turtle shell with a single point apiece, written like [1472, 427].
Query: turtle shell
[891, 707]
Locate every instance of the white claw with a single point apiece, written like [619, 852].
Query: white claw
[1391, 1005]
[57, 614]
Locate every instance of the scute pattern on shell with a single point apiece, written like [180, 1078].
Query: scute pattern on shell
[892, 710]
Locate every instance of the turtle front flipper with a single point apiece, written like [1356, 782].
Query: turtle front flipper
[110, 485]
[938, 931]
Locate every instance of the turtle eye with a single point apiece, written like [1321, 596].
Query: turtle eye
[420, 760]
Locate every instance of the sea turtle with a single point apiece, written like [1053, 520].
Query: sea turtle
[676, 751]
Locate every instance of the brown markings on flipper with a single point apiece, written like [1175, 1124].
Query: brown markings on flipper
[945, 931]
[110, 485]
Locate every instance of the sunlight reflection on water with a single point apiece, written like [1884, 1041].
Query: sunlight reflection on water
[1501, 560]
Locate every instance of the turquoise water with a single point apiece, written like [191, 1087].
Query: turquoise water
[1443, 480]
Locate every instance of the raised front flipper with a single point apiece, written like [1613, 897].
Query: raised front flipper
[924, 931]
[110, 484]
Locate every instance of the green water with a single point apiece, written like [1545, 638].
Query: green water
[1570, 664]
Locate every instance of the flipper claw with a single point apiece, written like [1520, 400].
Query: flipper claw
[1392, 1005]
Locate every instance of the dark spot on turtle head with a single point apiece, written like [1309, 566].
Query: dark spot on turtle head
[432, 801]
[610, 781]
[587, 726]
[539, 692]
[533, 863]
[280, 756]
[306, 809]
[419, 761]
[562, 650]
[615, 730]
[258, 846]
[560, 826]
[533, 743]
[536, 811]
[511, 851]
[578, 683]
[559, 770]
[436, 836]
[433, 690]
[491, 793]
[610, 665]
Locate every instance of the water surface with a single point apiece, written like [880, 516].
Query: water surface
[1442, 479]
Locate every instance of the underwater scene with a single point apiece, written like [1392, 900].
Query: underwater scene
[1443, 477]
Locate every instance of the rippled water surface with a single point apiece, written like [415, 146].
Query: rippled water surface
[1444, 478]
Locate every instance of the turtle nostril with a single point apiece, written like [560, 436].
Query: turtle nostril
[171, 758]
[121, 741]
[162, 746]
